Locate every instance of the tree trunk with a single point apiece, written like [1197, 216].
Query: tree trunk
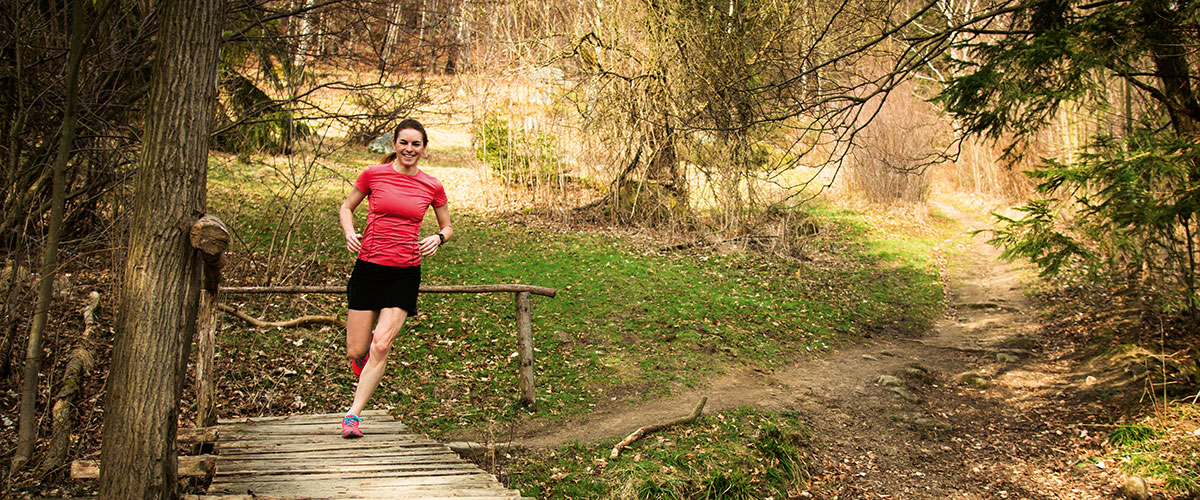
[27, 424]
[392, 40]
[10, 331]
[458, 52]
[156, 313]
[305, 34]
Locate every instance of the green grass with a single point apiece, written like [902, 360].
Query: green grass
[757, 455]
[1161, 449]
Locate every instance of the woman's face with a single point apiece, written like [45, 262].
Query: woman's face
[409, 147]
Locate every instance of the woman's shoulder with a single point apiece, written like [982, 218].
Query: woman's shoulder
[376, 168]
[424, 176]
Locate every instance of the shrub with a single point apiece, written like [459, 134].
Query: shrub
[516, 156]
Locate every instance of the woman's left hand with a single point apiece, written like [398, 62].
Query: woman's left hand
[429, 245]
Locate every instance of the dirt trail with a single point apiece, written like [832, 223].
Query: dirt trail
[937, 437]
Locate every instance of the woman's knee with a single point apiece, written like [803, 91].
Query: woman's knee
[380, 347]
[356, 352]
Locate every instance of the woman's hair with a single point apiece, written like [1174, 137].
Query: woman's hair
[405, 124]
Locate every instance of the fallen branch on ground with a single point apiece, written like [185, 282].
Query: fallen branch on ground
[706, 243]
[303, 320]
[467, 449]
[80, 362]
[657, 427]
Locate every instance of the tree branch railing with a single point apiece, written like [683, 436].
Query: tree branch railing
[211, 237]
[535, 290]
[524, 302]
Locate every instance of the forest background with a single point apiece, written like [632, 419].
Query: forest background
[745, 129]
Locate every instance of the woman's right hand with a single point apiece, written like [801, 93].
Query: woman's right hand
[353, 242]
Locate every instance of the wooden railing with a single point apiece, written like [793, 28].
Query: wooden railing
[211, 237]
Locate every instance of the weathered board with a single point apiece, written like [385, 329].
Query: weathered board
[304, 456]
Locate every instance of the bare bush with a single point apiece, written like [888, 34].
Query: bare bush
[890, 159]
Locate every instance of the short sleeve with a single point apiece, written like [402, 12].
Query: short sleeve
[439, 195]
[363, 183]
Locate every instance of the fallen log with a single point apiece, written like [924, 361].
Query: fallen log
[188, 466]
[468, 449]
[81, 362]
[657, 427]
[303, 320]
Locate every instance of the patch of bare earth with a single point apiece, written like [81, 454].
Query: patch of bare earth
[983, 406]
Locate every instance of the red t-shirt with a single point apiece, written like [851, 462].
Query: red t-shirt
[397, 204]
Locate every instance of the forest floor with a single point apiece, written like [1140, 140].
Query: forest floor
[987, 404]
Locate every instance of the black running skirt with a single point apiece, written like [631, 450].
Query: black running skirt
[375, 286]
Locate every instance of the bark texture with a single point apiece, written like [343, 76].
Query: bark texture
[156, 315]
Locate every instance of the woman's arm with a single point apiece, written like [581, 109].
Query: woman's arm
[346, 218]
[429, 245]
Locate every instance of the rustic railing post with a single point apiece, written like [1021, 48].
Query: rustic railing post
[525, 348]
[211, 237]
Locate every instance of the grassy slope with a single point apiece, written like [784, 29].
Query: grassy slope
[627, 322]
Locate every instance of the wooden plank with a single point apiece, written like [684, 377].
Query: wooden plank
[320, 448]
[381, 453]
[281, 467]
[275, 442]
[341, 486]
[308, 460]
[332, 466]
[197, 435]
[188, 466]
[312, 417]
[376, 454]
[234, 447]
[263, 477]
[330, 428]
[413, 493]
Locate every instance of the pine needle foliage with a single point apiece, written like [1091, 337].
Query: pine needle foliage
[1123, 208]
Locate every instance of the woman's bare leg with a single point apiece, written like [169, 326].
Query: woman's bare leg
[388, 325]
[358, 331]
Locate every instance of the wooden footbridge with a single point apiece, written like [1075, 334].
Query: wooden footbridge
[303, 456]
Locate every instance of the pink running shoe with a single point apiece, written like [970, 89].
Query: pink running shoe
[350, 427]
[356, 365]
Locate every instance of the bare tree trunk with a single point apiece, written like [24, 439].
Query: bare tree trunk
[27, 426]
[421, 34]
[305, 33]
[156, 313]
[393, 37]
[459, 50]
[10, 301]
